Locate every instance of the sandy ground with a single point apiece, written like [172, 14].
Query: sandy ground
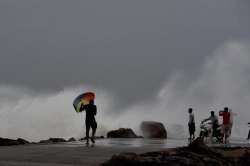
[77, 153]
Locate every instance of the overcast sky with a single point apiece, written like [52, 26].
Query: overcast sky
[129, 48]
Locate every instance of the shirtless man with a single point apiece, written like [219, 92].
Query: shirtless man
[90, 121]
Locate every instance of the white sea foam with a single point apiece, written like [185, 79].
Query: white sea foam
[223, 81]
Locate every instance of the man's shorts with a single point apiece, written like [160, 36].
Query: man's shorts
[226, 129]
[91, 124]
[191, 128]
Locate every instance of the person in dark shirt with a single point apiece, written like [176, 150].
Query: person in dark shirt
[90, 121]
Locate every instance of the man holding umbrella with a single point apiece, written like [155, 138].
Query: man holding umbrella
[85, 102]
[90, 121]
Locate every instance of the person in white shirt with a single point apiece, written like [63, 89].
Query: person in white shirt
[215, 123]
[191, 124]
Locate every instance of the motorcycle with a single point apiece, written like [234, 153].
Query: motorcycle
[206, 131]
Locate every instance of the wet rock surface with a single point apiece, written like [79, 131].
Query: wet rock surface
[151, 129]
[21, 141]
[53, 140]
[196, 154]
[122, 133]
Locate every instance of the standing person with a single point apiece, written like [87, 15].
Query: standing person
[90, 121]
[191, 124]
[214, 119]
[225, 123]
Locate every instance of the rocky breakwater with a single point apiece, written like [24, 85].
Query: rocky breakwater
[196, 154]
[21, 141]
[9, 142]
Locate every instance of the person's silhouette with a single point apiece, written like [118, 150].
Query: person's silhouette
[90, 121]
[191, 124]
[225, 123]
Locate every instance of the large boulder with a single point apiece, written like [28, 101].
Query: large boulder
[151, 129]
[122, 133]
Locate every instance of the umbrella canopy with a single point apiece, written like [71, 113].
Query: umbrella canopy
[83, 99]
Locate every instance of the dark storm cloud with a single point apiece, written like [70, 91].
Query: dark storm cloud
[121, 46]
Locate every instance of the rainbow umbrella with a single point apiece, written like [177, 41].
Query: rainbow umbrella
[83, 99]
